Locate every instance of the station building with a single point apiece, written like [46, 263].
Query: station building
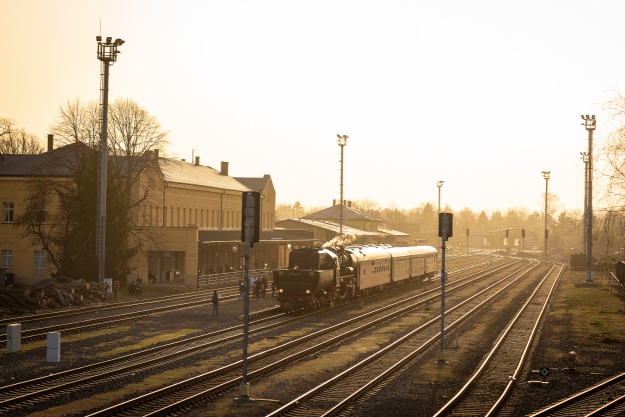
[192, 212]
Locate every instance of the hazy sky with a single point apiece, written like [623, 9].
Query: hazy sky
[481, 94]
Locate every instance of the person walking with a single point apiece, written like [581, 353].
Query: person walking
[215, 301]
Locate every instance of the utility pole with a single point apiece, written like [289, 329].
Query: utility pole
[546, 176]
[342, 140]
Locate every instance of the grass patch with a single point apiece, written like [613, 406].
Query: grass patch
[591, 312]
[145, 342]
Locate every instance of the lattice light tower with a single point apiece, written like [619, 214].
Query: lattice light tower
[107, 54]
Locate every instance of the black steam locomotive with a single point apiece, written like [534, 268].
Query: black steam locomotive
[321, 277]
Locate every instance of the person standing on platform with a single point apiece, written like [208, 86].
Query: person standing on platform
[115, 288]
[215, 301]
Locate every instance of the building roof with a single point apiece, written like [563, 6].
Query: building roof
[182, 172]
[332, 227]
[256, 184]
[59, 162]
[392, 232]
[334, 212]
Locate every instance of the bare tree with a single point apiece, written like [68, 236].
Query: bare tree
[15, 140]
[58, 212]
[132, 177]
[78, 122]
[611, 156]
[368, 206]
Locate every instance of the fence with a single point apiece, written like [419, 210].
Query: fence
[231, 277]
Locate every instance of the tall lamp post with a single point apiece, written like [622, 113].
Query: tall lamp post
[585, 159]
[439, 185]
[590, 123]
[107, 54]
[546, 176]
[342, 144]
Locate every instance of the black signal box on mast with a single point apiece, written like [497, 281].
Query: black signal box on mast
[250, 217]
[445, 225]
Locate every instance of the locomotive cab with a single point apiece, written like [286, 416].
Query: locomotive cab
[310, 280]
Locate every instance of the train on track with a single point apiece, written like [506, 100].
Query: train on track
[322, 277]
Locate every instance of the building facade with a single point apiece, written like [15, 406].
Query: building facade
[179, 200]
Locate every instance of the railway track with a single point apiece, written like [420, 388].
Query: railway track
[605, 399]
[75, 311]
[179, 397]
[336, 395]
[40, 333]
[15, 396]
[487, 390]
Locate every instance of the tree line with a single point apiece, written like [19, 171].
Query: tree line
[133, 131]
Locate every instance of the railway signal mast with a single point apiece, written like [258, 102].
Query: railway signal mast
[445, 230]
[250, 233]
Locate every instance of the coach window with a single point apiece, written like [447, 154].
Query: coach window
[7, 212]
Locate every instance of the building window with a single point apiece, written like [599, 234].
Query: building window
[41, 215]
[7, 259]
[40, 259]
[7, 212]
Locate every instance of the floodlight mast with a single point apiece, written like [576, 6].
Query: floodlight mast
[590, 123]
[342, 141]
[107, 54]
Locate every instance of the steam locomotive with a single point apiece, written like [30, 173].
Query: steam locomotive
[322, 277]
